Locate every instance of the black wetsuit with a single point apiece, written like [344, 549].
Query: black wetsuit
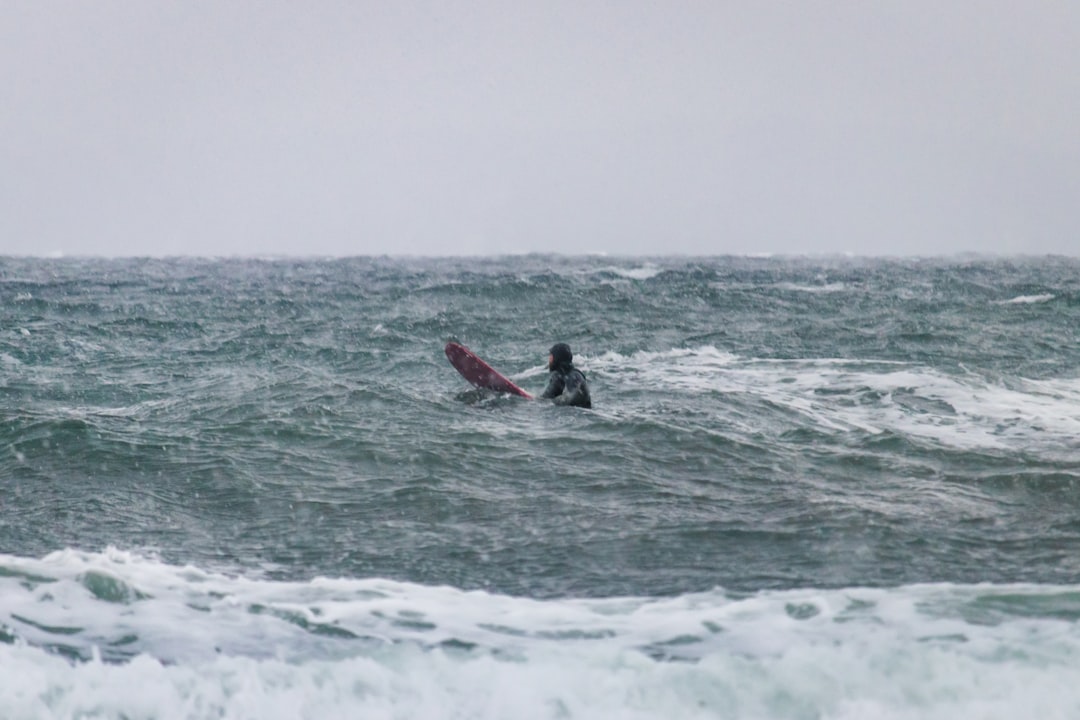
[567, 386]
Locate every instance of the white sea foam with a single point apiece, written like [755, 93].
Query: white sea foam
[211, 645]
[962, 410]
[638, 272]
[1028, 299]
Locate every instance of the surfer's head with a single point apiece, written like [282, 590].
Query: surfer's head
[560, 356]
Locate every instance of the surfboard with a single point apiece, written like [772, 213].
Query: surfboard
[479, 373]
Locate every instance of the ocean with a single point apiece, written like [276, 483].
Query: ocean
[825, 487]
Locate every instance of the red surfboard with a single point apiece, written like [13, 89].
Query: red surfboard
[479, 373]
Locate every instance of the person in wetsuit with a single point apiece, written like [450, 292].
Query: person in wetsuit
[567, 385]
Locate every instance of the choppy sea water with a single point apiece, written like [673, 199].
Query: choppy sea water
[809, 488]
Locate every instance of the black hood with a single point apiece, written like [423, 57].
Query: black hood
[562, 355]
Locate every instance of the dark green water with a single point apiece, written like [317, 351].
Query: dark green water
[758, 423]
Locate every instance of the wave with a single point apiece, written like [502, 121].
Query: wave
[1028, 299]
[122, 634]
[639, 272]
[822, 288]
[958, 409]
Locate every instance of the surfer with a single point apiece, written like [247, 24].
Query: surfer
[567, 385]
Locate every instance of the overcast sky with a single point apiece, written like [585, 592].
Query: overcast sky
[625, 127]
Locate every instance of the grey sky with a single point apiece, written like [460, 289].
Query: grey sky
[633, 127]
